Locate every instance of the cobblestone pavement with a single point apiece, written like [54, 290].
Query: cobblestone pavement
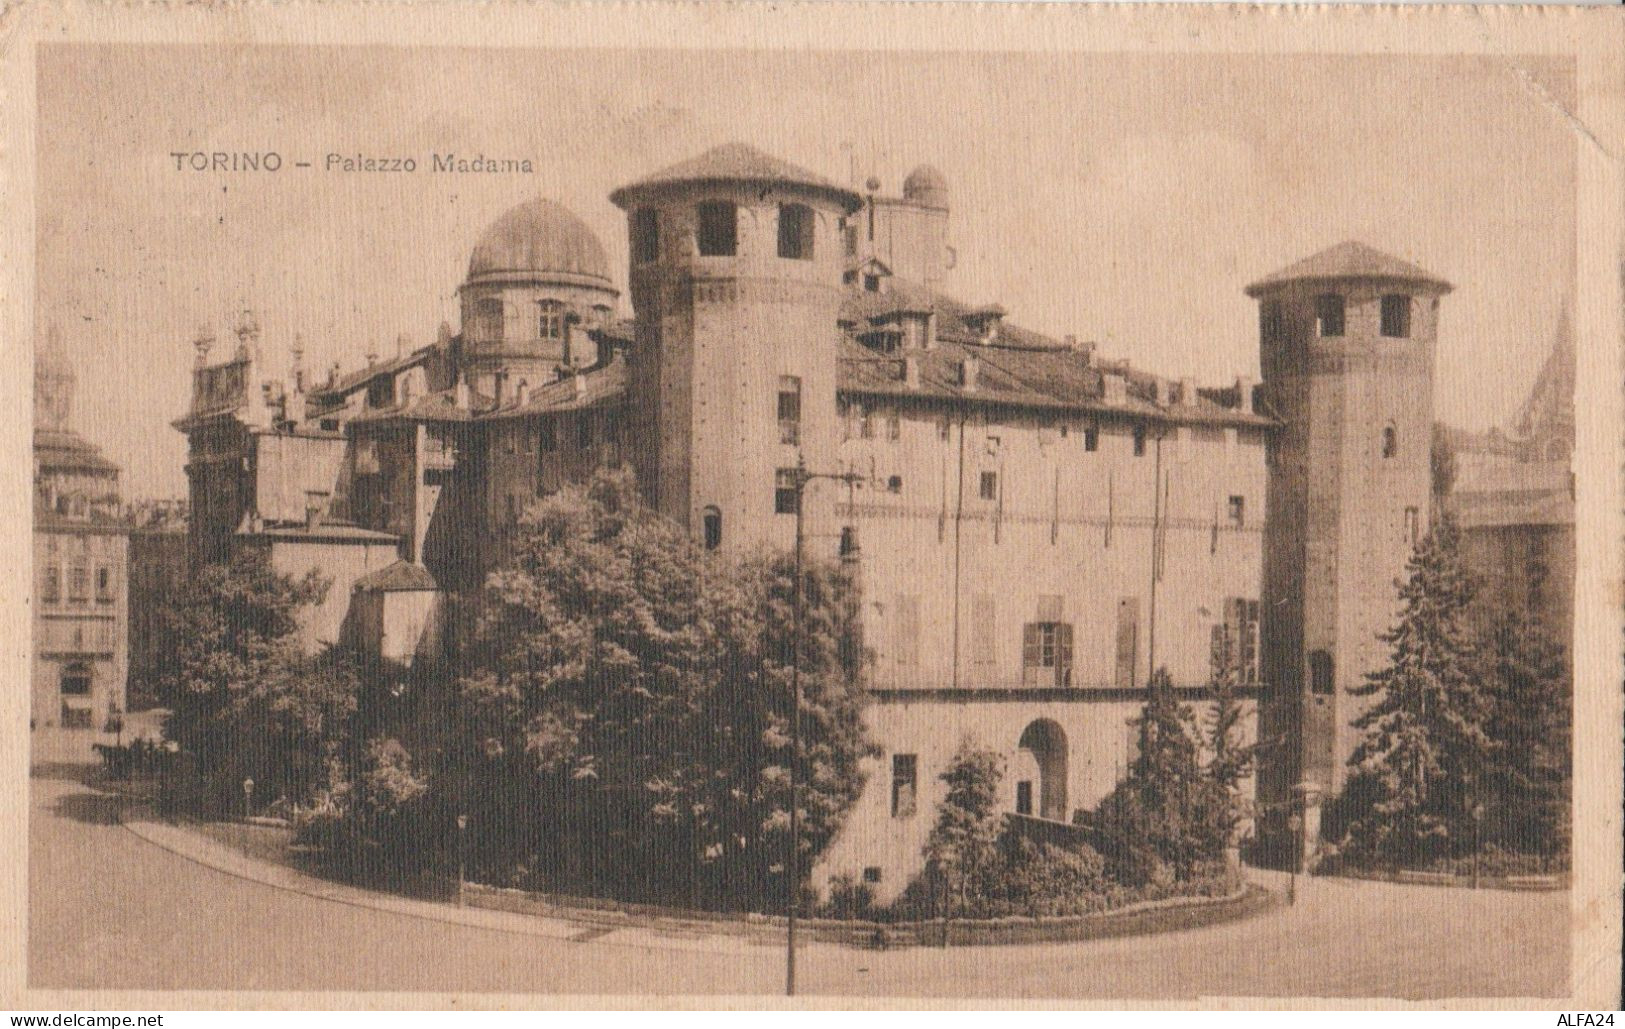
[108, 909]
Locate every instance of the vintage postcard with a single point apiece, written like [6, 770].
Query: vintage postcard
[834, 505]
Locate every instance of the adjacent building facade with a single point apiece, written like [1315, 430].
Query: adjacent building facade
[81, 554]
[1037, 528]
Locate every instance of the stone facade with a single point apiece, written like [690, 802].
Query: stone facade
[1036, 529]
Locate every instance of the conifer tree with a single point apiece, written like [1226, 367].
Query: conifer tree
[1424, 744]
[964, 842]
[1230, 758]
[1529, 779]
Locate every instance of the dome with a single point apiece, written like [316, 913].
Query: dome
[539, 239]
[925, 185]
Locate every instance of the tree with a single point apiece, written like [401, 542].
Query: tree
[1424, 745]
[1165, 818]
[1442, 461]
[245, 699]
[1528, 781]
[629, 697]
[963, 843]
[1230, 759]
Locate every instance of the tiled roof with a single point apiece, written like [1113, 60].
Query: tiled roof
[431, 407]
[600, 387]
[735, 162]
[1349, 260]
[402, 575]
[67, 450]
[356, 379]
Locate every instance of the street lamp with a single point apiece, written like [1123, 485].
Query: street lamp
[248, 798]
[1295, 824]
[462, 858]
[800, 477]
[1478, 832]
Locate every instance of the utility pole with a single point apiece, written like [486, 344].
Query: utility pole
[793, 864]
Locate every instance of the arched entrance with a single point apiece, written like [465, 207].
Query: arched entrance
[1041, 771]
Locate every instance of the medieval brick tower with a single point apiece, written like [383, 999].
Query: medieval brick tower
[1346, 342]
[736, 264]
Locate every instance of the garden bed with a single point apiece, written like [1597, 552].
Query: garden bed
[1165, 915]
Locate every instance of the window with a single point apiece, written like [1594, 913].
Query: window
[795, 232]
[1238, 511]
[719, 229]
[990, 486]
[871, 283]
[1091, 438]
[1396, 316]
[786, 497]
[1046, 654]
[488, 319]
[1139, 441]
[645, 235]
[712, 522]
[1413, 525]
[51, 589]
[905, 772]
[1235, 641]
[894, 426]
[104, 585]
[79, 584]
[1329, 314]
[552, 320]
[1390, 441]
[584, 431]
[849, 540]
[789, 409]
[1320, 673]
[75, 680]
[1270, 319]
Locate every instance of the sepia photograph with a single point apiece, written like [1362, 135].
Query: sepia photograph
[815, 523]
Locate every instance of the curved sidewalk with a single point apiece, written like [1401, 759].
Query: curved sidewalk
[201, 850]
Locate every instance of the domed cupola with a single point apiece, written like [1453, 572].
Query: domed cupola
[927, 187]
[539, 240]
[538, 283]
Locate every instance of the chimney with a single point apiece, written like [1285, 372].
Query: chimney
[522, 395]
[1244, 394]
[969, 368]
[403, 345]
[580, 382]
[1164, 389]
[203, 343]
[1187, 392]
[460, 395]
[930, 330]
[1116, 389]
[298, 370]
[333, 375]
[911, 371]
[372, 356]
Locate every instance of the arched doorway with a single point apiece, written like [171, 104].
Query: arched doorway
[1041, 770]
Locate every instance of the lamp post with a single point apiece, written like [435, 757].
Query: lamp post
[793, 865]
[1295, 824]
[248, 798]
[1478, 833]
[462, 858]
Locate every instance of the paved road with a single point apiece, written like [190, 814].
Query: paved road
[108, 910]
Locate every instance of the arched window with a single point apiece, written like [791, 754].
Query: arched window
[488, 319]
[1390, 441]
[1320, 673]
[712, 522]
[552, 320]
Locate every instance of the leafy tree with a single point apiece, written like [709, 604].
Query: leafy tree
[1230, 759]
[245, 699]
[963, 843]
[1424, 744]
[1165, 819]
[1528, 781]
[629, 697]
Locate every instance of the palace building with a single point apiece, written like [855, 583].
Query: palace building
[1037, 527]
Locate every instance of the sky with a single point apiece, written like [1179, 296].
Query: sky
[1122, 198]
